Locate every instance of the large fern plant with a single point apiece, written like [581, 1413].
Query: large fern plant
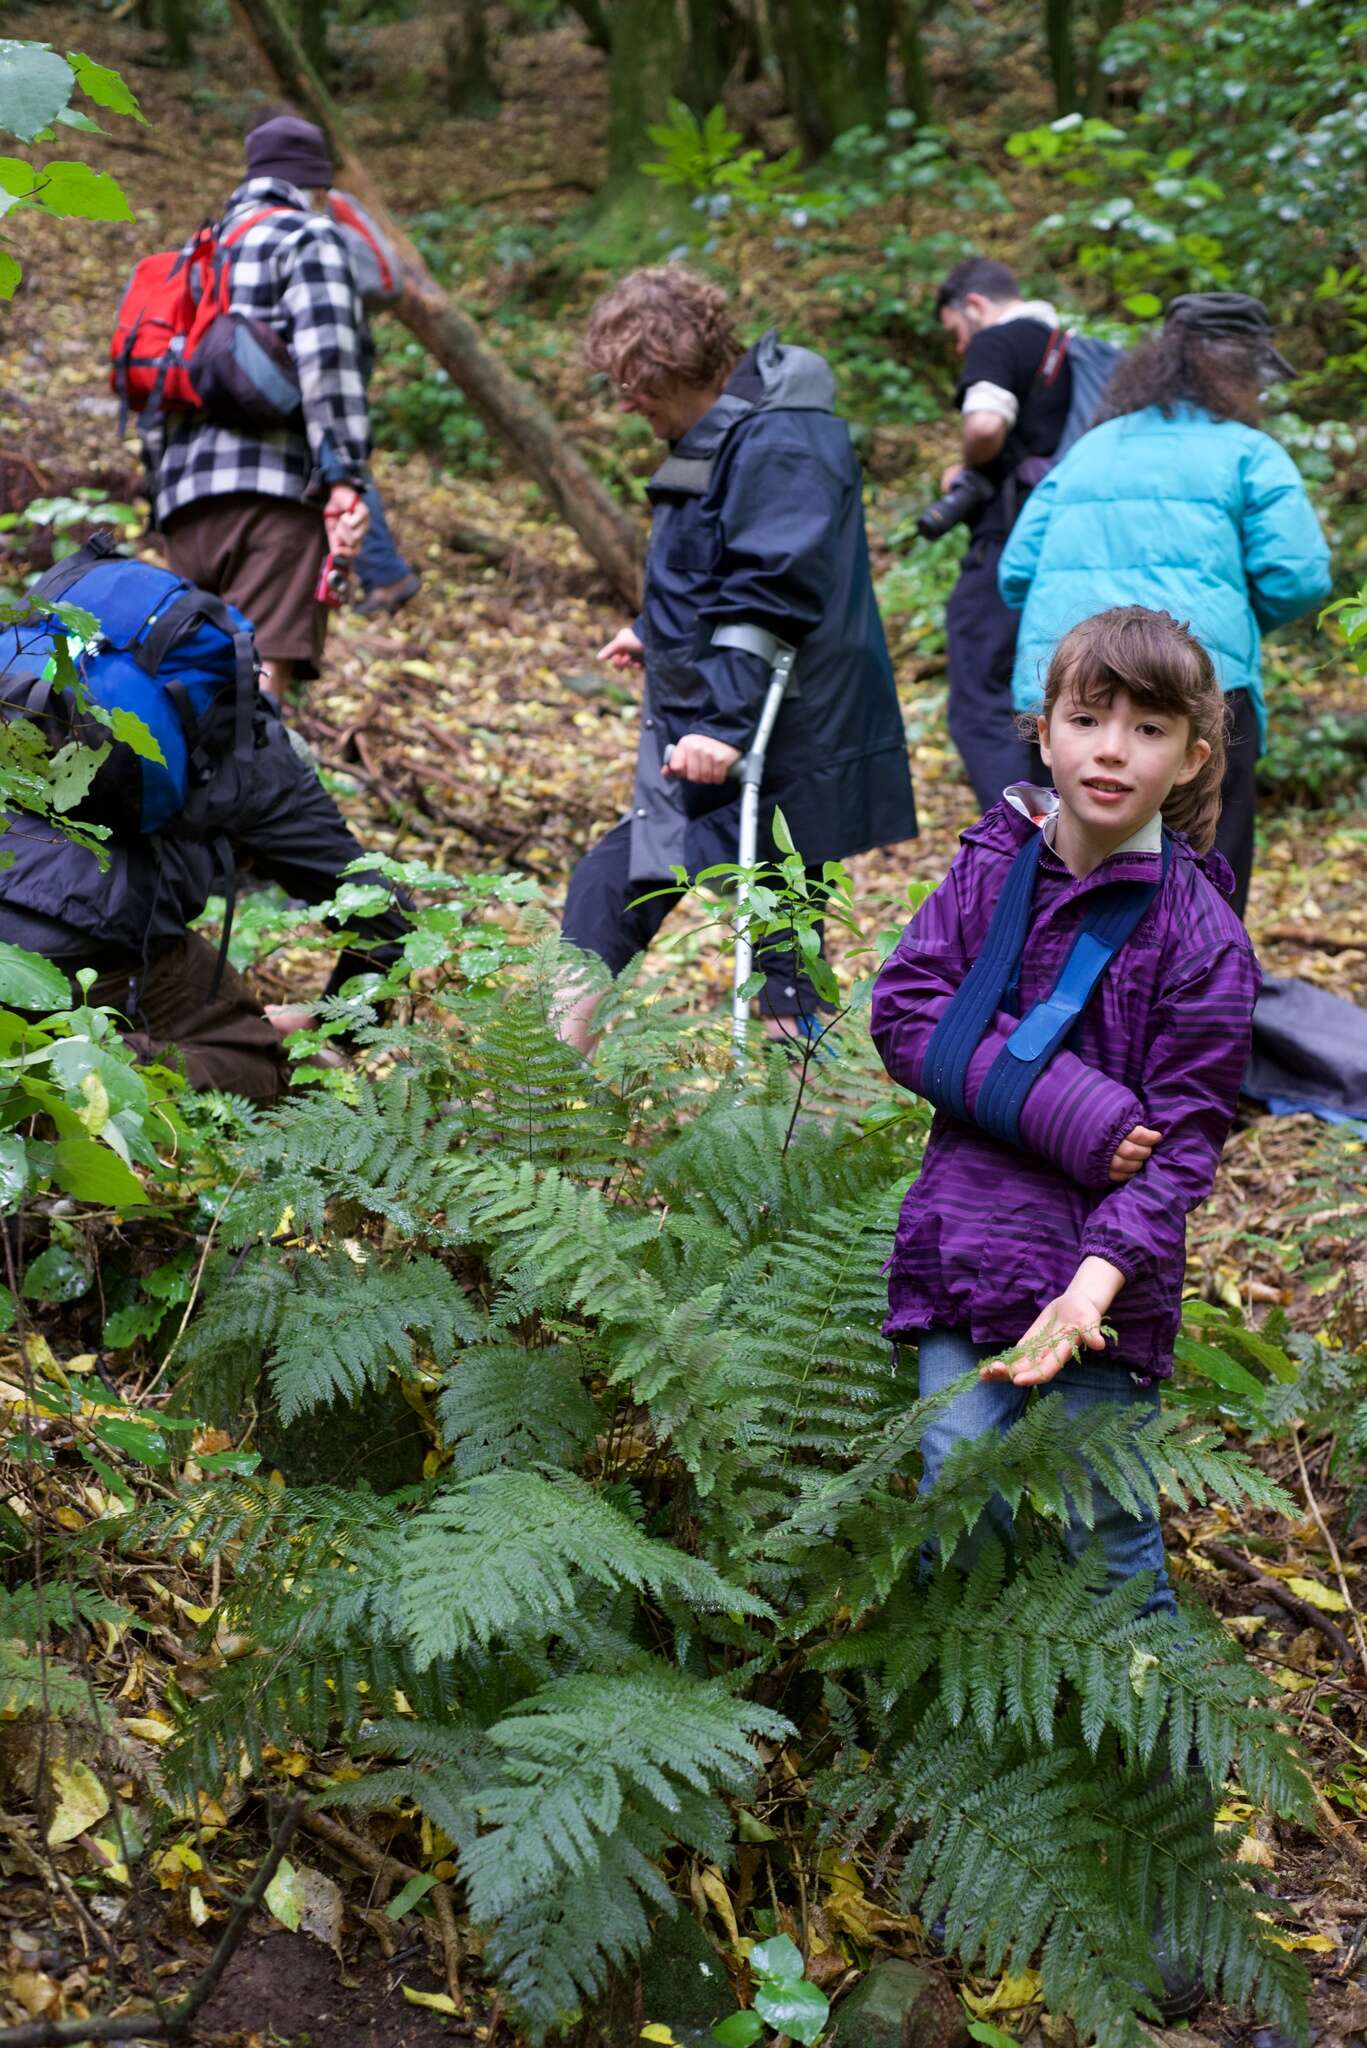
[671, 1525]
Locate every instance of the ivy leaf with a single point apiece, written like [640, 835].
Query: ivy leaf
[56, 1275]
[104, 86]
[738, 2030]
[139, 1440]
[11, 270]
[794, 2007]
[28, 982]
[92, 1173]
[76, 192]
[779, 1957]
[13, 1169]
[35, 84]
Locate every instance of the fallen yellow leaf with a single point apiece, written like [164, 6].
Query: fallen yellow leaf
[718, 1897]
[81, 1801]
[1326, 1598]
[150, 1728]
[1008, 1994]
[435, 2001]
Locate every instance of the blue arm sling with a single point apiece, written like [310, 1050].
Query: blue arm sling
[1113, 912]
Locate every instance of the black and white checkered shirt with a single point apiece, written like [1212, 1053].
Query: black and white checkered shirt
[292, 270]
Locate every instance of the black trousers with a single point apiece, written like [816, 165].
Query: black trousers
[1239, 794]
[981, 631]
[602, 916]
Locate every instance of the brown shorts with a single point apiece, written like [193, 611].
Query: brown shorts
[221, 1040]
[265, 556]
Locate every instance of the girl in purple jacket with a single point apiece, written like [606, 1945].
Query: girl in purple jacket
[1029, 1246]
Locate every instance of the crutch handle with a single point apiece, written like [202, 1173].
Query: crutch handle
[733, 774]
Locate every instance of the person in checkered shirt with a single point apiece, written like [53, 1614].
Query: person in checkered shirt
[253, 515]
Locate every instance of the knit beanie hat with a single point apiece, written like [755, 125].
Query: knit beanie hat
[291, 148]
[1230, 316]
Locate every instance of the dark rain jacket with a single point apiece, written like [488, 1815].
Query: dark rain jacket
[758, 520]
[55, 900]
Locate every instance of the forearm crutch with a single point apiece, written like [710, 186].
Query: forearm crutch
[749, 772]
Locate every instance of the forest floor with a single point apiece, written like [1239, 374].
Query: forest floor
[475, 729]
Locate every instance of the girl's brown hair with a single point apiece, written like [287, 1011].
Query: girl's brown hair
[662, 325]
[1164, 668]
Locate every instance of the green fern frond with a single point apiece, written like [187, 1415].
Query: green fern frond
[599, 1775]
[375, 1152]
[515, 1404]
[1008, 1648]
[509, 1555]
[323, 1328]
[35, 1681]
[529, 1096]
[1049, 1855]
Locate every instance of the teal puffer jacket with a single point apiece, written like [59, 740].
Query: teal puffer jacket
[1191, 515]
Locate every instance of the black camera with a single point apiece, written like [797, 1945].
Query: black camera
[960, 501]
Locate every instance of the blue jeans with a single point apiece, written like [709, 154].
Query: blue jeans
[1130, 1543]
[379, 562]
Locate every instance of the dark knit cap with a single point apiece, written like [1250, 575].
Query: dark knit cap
[1229, 316]
[291, 148]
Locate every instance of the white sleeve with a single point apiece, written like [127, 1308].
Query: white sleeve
[993, 398]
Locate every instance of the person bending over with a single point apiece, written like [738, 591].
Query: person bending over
[757, 521]
[1013, 406]
[130, 920]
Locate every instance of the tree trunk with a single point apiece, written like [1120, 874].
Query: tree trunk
[643, 43]
[916, 93]
[1058, 36]
[470, 84]
[873, 38]
[175, 22]
[508, 406]
[830, 86]
[1109, 14]
[313, 34]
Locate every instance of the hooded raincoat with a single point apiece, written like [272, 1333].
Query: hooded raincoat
[758, 520]
[988, 1235]
[1200, 517]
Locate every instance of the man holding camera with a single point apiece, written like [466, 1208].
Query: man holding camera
[1013, 395]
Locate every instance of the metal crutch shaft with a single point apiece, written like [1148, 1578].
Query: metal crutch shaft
[749, 771]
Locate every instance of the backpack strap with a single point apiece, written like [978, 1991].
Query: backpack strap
[975, 1002]
[1055, 355]
[1111, 918]
[54, 584]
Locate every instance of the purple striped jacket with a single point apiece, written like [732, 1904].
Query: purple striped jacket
[988, 1235]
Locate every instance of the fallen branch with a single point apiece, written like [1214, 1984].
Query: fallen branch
[470, 540]
[1300, 1610]
[160, 2026]
[381, 1864]
[1318, 942]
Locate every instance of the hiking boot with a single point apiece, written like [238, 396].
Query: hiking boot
[390, 597]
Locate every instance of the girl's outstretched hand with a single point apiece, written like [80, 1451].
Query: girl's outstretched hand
[1133, 1152]
[1071, 1318]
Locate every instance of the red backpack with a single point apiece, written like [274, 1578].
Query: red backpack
[178, 346]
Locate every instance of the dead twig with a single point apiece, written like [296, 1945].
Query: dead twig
[141, 2026]
[381, 1864]
[1300, 1610]
[1330, 1545]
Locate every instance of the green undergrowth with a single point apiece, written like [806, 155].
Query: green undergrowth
[660, 1554]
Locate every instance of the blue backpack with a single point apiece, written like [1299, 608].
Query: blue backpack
[182, 661]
